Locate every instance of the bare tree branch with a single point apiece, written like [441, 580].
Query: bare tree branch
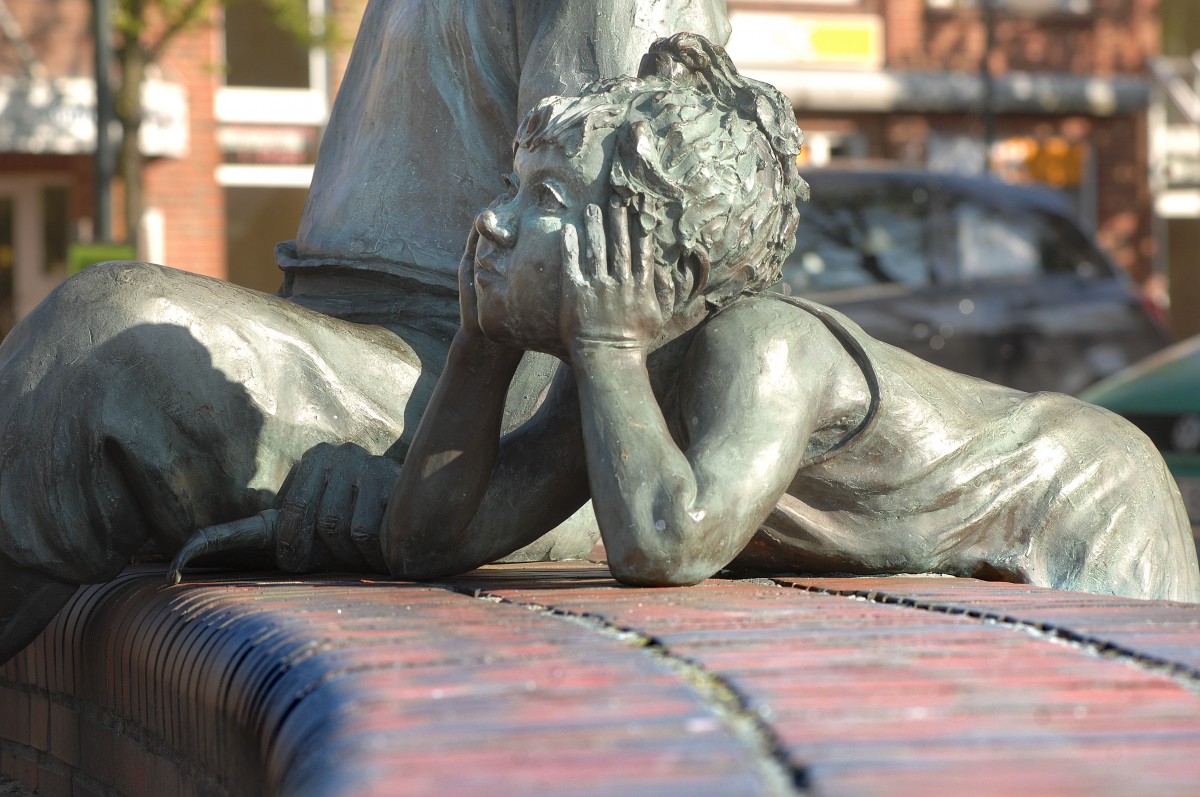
[184, 18]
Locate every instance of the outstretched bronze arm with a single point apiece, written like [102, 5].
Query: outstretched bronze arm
[464, 497]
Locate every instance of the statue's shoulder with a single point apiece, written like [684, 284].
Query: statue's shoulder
[760, 319]
[749, 336]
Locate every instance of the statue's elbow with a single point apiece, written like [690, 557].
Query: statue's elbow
[416, 569]
[404, 561]
[643, 569]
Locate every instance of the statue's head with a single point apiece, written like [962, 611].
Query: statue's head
[715, 153]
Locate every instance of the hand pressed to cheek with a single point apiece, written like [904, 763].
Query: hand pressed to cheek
[468, 302]
[609, 294]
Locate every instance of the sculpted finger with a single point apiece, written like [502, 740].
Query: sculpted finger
[664, 289]
[298, 514]
[472, 242]
[570, 255]
[373, 490]
[664, 283]
[643, 244]
[335, 511]
[466, 266]
[620, 250]
[595, 254]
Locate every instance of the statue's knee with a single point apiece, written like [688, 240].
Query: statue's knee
[65, 338]
[117, 284]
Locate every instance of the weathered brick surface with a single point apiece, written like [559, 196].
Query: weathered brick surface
[1155, 631]
[555, 680]
[868, 697]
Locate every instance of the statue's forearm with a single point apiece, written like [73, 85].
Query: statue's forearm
[450, 462]
[468, 496]
[644, 489]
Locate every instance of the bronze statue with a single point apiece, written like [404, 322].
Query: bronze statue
[715, 424]
[139, 403]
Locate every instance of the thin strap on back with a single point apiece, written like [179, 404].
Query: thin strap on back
[859, 355]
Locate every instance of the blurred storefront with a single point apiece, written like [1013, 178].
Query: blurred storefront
[233, 110]
[236, 110]
[1175, 160]
[48, 140]
[270, 113]
[47, 137]
[1046, 91]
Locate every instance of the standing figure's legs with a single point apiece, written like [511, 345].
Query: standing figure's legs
[140, 403]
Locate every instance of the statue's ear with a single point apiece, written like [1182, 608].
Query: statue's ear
[696, 268]
[661, 65]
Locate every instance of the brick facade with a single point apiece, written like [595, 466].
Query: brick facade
[185, 190]
[1115, 40]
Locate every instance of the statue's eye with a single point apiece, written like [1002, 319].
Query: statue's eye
[512, 184]
[548, 197]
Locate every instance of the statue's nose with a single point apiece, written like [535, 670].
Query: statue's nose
[496, 229]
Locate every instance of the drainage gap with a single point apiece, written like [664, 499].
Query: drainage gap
[728, 705]
[1183, 674]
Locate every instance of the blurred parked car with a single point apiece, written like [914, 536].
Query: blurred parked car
[982, 277]
[1161, 396]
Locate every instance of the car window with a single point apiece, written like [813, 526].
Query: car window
[993, 245]
[851, 239]
[1004, 244]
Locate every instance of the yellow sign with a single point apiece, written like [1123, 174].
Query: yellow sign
[780, 39]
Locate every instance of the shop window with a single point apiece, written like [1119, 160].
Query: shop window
[271, 78]
[260, 53]
[256, 219]
[8, 315]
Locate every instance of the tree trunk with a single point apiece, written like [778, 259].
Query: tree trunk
[128, 108]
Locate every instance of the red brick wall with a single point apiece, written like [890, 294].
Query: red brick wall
[186, 190]
[59, 32]
[347, 14]
[1115, 39]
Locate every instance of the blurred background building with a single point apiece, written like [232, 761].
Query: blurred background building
[1057, 92]
[1096, 98]
[233, 110]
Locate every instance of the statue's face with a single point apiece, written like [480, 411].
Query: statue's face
[518, 260]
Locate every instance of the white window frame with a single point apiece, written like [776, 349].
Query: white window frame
[253, 105]
[264, 175]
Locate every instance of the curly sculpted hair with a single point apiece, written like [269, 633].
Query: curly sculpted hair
[716, 151]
